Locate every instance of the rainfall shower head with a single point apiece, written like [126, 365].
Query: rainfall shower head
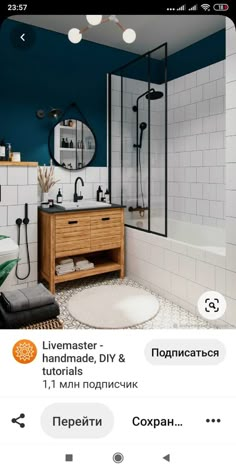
[151, 94]
[154, 95]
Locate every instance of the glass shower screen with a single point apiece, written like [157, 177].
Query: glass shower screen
[137, 130]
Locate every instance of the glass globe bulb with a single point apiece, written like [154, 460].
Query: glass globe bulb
[74, 35]
[94, 20]
[129, 35]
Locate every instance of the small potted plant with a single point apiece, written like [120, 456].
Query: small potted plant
[6, 267]
[46, 180]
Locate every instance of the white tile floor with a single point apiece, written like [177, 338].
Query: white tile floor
[170, 315]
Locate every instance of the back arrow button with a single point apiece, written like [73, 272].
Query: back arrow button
[23, 37]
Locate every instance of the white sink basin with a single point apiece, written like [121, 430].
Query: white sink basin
[83, 204]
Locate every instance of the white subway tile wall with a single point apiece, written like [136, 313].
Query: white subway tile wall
[183, 272]
[13, 197]
[198, 143]
[19, 186]
[231, 163]
[92, 177]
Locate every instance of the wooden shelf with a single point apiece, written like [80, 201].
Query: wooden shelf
[73, 128]
[100, 268]
[74, 149]
[68, 127]
[19, 164]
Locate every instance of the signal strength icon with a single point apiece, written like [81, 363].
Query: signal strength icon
[194, 8]
[206, 6]
[182, 8]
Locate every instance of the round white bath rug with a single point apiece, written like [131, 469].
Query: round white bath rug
[113, 306]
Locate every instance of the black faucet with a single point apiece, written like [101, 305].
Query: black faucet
[76, 196]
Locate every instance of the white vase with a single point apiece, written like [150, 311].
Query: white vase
[44, 196]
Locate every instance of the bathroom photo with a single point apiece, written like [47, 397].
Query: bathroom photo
[118, 172]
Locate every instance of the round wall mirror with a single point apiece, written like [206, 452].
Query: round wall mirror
[72, 144]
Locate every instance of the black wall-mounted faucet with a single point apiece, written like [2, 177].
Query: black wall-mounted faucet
[76, 196]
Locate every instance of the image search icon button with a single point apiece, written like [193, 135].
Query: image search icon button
[211, 305]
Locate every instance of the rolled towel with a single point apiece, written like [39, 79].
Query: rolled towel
[26, 298]
[34, 315]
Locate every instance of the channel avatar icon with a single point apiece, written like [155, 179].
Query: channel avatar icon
[24, 351]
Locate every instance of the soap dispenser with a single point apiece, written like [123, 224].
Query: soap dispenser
[99, 194]
[107, 196]
[59, 196]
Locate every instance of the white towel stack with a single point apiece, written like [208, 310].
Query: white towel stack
[65, 266]
[81, 263]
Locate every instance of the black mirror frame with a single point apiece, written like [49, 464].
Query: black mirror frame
[72, 105]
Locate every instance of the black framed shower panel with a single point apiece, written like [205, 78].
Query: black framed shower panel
[121, 141]
[115, 72]
[149, 149]
[166, 140]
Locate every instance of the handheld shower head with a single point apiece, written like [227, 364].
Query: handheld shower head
[142, 127]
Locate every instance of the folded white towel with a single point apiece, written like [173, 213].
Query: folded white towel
[82, 266]
[82, 262]
[88, 266]
[63, 261]
[64, 271]
[65, 266]
[80, 259]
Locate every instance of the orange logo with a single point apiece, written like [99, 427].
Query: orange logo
[24, 351]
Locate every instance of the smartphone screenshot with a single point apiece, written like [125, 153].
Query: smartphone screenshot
[118, 239]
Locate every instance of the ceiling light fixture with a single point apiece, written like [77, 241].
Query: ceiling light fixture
[94, 20]
[75, 35]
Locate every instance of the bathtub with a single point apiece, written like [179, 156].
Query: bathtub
[181, 267]
[208, 238]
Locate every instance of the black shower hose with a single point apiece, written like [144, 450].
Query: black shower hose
[27, 251]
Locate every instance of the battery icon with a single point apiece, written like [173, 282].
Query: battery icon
[221, 7]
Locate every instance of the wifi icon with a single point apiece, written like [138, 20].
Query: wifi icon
[206, 6]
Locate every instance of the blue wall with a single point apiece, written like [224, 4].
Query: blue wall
[201, 54]
[55, 73]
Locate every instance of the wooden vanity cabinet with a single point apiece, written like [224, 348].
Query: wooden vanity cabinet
[98, 234]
